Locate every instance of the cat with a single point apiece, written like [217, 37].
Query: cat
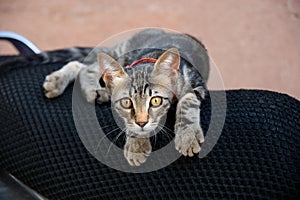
[142, 77]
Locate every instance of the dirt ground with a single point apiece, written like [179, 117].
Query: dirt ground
[254, 44]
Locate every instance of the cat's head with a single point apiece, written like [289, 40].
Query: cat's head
[143, 94]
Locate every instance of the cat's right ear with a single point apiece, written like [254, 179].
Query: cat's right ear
[112, 71]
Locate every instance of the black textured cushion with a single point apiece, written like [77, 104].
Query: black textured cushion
[257, 155]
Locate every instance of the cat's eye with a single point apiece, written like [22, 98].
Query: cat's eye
[126, 103]
[156, 101]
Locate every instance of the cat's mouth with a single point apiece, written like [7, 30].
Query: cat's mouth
[139, 134]
[142, 132]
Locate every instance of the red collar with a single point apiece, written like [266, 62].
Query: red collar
[142, 60]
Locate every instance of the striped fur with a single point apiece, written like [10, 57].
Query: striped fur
[143, 94]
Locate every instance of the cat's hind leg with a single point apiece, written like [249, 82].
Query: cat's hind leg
[56, 82]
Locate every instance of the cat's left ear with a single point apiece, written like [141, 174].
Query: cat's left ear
[112, 71]
[168, 63]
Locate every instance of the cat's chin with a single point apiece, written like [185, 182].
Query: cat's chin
[140, 134]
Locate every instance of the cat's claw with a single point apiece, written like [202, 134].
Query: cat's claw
[137, 150]
[54, 84]
[187, 141]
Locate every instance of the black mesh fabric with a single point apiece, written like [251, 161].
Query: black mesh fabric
[256, 157]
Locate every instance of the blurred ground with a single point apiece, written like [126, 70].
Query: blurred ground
[255, 44]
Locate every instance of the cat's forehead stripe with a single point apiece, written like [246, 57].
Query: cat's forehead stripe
[140, 84]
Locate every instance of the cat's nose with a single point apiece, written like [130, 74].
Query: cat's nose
[141, 124]
[141, 118]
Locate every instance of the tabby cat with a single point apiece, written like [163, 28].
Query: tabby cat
[142, 77]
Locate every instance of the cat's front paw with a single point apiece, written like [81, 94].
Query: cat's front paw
[137, 150]
[54, 84]
[188, 140]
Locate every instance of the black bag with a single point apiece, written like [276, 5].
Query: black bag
[256, 157]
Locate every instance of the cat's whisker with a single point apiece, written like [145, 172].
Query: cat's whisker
[155, 133]
[167, 134]
[105, 136]
[165, 127]
[115, 139]
[161, 126]
[166, 131]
